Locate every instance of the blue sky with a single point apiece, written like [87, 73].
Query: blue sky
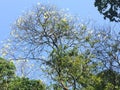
[11, 9]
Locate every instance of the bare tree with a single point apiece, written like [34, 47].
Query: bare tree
[107, 50]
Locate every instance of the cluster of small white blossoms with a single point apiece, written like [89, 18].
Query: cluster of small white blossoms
[6, 48]
[31, 13]
[13, 33]
[4, 53]
[90, 31]
[46, 15]
[20, 20]
[99, 35]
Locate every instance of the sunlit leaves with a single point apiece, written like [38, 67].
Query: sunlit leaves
[25, 84]
[7, 73]
[72, 68]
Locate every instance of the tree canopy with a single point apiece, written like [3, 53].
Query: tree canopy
[110, 80]
[72, 55]
[109, 8]
[26, 84]
[7, 73]
[9, 81]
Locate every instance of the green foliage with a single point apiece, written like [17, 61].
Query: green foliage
[7, 73]
[109, 80]
[9, 81]
[26, 84]
[109, 8]
[71, 69]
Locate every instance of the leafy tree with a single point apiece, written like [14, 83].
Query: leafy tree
[26, 84]
[110, 80]
[109, 8]
[7, 73]
[72, 70]
[9, 81]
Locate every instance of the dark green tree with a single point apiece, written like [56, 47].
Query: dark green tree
[109, 8]
[109, 80]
